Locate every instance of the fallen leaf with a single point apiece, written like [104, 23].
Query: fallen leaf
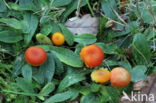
[85, 24]
[151, 89]
[139, 85]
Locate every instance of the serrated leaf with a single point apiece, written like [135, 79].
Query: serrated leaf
[138, 73]
[68, 35]
[70, 80]
[10, 36]
[85, 39]
[27, 72]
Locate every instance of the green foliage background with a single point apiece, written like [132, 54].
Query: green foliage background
[63, 77]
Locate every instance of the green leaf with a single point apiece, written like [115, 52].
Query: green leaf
[46, 28]
[55, 27]
[95, 87]
[74, 93]
[24, 85]
[145, 14]
[114, 34]
[70, 80]
[21, 93]
[71, 7]
[67, 56]
[109, 95]
[10, 36]
[2, 6]
[58, 66]
[18, 64]
[32, 21]
[85, 39]
[13, 6]
[85, 90]
[111, 63]
[27, 5]
[46, 71]
[48, 88]
[27, 72]
[141, 49]
[138, 73]
[60, 97]
[108, 48]
[107, 6]
[12, 22]
[44, 19]
[151, 34]
[125, 65]
[90, 98]
[72, 70]
[58, 3]
[103, 22]
[68, 35]
[78, 48]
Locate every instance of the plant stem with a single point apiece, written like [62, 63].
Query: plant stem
[78, 8]
[90, 8]
[6, 4]
[120, 18]
[141, 20]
